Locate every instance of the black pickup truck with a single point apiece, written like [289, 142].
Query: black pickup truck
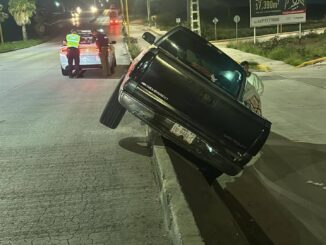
[192, 94]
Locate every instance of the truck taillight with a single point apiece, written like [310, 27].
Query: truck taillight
[133, 65]
[135, 61]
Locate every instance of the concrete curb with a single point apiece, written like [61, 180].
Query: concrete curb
[156, 31]
[128, 52]
[193, 213]
[178, 217]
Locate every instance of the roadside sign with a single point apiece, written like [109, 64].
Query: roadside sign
[215, 20]
[236, 19]
[178, 20]
[272, 12]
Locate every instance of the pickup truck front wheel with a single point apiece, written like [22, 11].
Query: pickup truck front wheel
[113, 111]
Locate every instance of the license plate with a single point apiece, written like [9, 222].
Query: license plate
[89, 60]
[187, 135]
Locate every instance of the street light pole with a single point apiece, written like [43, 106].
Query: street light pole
[127, 22]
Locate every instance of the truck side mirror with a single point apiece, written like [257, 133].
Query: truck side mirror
[149, 37]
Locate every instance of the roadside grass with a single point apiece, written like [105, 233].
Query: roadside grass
[225, 31]
[11, 46]
[291, 50]
[134, 48]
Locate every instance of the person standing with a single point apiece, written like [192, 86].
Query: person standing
[254, 88]
[72, 41]
[253, 79]
[102, 43]
[251, 99]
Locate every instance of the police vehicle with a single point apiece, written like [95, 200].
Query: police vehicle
[89, 54]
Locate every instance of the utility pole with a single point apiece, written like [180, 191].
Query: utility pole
[127, 22]
[122, 9]
[194, 15]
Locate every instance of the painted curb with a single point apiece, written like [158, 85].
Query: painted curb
[262, 67]
[311, 62]
[156, 31]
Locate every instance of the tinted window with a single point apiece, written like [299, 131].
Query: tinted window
[86, 39]
[206, 59]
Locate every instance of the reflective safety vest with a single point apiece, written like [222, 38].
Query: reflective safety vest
[73, 40]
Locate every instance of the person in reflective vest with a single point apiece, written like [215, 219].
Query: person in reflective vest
[72, 41]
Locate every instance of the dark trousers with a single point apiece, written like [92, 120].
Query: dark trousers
[104, 61]
[73, 57]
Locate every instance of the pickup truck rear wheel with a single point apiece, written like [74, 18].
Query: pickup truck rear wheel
[113, 111]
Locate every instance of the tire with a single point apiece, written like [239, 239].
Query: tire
[64, 72]
[113, 111]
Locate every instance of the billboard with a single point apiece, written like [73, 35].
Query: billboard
[275, 12]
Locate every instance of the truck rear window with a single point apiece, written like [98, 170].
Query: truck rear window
[205, 59]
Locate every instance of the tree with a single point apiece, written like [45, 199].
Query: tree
[22, 11]
[3, 17]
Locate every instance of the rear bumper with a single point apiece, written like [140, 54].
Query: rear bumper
[176, 132]
[85, 61]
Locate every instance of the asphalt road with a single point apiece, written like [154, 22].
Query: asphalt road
[65, 178]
